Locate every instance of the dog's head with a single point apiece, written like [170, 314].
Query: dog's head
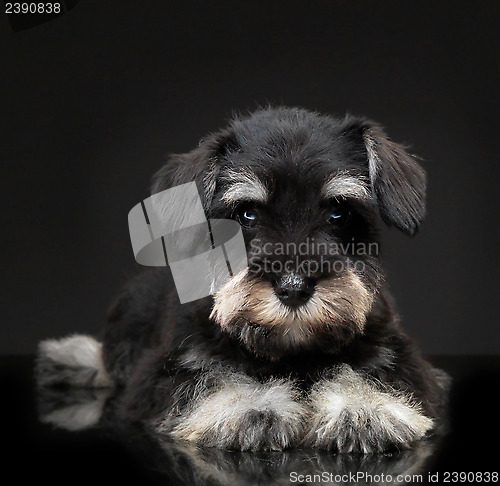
[307, 190]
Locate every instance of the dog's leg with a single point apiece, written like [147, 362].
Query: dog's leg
[237, 412]
[73, 361]
[351, 413]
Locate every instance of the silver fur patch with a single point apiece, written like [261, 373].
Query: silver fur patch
[373, 158]
[74, 360]
[244, 186]
[351, 414]
[242, 414]
[345, 185]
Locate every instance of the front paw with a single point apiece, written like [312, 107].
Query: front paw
[351, 415]
[246, 417]
[260, 430]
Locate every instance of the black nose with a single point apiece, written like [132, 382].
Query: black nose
[293, 290]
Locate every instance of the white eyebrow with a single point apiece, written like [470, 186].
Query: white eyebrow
[344, 185]
[244, 186]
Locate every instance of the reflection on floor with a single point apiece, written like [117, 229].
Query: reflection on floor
[75, 437]
[80, 409]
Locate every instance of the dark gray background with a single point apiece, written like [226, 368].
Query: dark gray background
[92, 101]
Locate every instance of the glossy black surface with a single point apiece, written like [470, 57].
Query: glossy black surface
[36, 430]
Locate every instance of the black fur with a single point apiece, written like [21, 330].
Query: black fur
[169, 356]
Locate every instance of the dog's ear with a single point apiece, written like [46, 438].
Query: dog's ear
[201, 165]
[398, 180]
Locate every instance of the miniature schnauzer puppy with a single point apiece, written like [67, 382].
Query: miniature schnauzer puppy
[302, 347]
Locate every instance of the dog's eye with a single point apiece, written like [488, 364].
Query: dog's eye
[246, 216]
[339, 214]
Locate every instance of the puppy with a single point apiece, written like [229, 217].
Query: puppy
[302, 347]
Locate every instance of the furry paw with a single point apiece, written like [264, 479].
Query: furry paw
[350, 414]
[259, 430]
[248, 417]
